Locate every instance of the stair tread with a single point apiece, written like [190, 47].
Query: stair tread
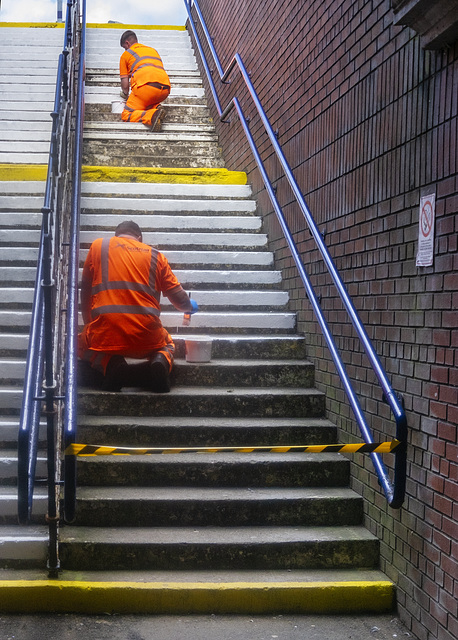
[219, 391]
[203, 494]
[214, 535]
[209, 577]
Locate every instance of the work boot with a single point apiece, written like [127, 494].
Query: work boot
[157, 119]
[116, 374]
[88, 377]
[151, 374]
[160, 377]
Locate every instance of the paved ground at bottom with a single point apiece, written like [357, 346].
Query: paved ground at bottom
[281, 627]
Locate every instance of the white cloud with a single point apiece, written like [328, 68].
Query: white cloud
[150, 12]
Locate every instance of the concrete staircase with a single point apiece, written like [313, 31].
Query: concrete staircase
[214, 532]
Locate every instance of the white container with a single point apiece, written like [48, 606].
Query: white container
[117, 106]
[198, 349]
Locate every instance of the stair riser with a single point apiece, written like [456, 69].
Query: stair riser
[180, 113]
[218, 436]
[189, 556]
[255, 349]
[116, 149]
[112, 513]
[227, 405]
[219, 473]
[147, 160]
[202, 375]
[257, 376]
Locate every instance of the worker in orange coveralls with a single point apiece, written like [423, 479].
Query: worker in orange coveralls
[149, 83]
[122, 282]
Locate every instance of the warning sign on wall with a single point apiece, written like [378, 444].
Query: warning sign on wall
[425, 251]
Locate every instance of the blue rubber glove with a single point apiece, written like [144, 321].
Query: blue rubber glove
[194, 305]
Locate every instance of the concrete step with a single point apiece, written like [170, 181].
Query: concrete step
[213, 592]
[13, 297]
[23, 547]
[169, 431]
[8, 467]
[217, 507]
[213, 322]
[171, 191]
[9, 432]
[177, 113]
[202, 401]
[90, 548]
[204, 592]
[293, 470]
[227, 260]
[14, 344]
[260, 373]
[12, 372]
[120, 127]
[154, 153]
[92, 207]
[105, 95]
[208, 222]
[9, 506]
[162, 240]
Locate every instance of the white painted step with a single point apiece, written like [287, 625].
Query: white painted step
[23, 544]
[144, 134]
[164, 204]
[14, 341]
[10, 255]
[9, 433]
[139, 189]
[105, 95]
[157, 238]
[238, 298]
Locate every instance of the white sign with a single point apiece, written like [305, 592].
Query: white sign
[425, 251]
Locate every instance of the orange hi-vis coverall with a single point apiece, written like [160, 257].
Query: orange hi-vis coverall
[149, 83]
[122, 283]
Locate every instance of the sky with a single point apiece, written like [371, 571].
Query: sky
[150, 12]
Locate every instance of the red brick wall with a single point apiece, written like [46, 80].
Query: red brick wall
[368, 122]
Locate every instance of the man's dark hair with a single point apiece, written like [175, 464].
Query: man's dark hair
[130, 227]
[131, 36]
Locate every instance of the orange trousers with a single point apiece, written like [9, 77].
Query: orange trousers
[99, 359]
[143, 102]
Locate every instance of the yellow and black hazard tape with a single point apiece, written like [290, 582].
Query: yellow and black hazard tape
[100, 450]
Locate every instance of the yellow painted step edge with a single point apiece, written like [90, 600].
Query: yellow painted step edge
[94, 25]
[19, 172]
[36, 596]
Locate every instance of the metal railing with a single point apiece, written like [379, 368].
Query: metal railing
[72, 307]
[394, 491]
[46, 358]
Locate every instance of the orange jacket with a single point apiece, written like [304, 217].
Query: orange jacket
[142, 64]
[126, 279]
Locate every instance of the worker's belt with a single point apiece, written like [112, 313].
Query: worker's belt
[158, 85]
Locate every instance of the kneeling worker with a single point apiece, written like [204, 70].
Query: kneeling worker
[149, 83]
[122, 282]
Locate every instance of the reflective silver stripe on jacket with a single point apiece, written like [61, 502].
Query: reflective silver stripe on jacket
[139, 59]
[125, 308]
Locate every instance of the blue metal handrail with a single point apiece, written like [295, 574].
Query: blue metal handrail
[45, 333]
[72, 308]
[394, 491]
